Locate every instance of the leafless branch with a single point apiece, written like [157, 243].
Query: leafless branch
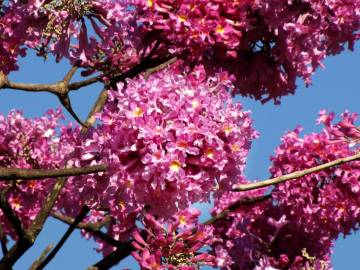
[90, 227]
[84, 211]
[93, 228]
[98, 106]
[31, 174]
[235, 206]
[23, 244]
[150, 71]
[12, 218]
[38, 261]
[3, 241]
[114, 257]
[295, 175]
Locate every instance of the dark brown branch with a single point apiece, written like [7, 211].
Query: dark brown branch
[84, 211]
[90, 227]
[12, 218]
[38, 261]
[295, 175]
[150, 71]
[144, 66]
[114, 257]
[3, 241]
[31, 174]
[93, 228]
[23, 244]
[235, 206]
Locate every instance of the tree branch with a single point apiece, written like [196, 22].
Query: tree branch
[31, 174]
[114, 257]
[235, 206]
[23, 244]
[90, 227]
[295, 175]
[150, 71]
[94, 228]
[98, 106]
[38, 261]
[84, 211]
[12, 218]
[61, 88]
[3, 241]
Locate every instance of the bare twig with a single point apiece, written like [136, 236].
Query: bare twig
[87, 82]
[38, 261]
[12, 218]
[150, 71]
[84, 211]
[98, 106]
[23, 244]
[31, 174]
[93, 228]
[295, 175]
[235, 206]
[90, 227]
[3, 241]
[114, 257]
[60, 89]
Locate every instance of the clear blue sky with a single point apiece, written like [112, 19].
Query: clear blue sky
[335, 88]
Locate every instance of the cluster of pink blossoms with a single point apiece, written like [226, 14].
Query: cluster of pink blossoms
[265, 44]
[297, 226]
[169, 141]
[31, 144]
[178, 244]
[61, 28]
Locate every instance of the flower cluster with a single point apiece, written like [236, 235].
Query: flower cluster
[265, 44]
[61, 28]
[297, 226]
[177, 244]
[31, 144]
[169, 141]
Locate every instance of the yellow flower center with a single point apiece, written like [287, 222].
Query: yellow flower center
[182, 220]
[235, 147]
[227, 129]
[209, 153]
[150, 3]
[175, 165]
[220, 29]
[195, 103]
[138, 112]
[182, 18]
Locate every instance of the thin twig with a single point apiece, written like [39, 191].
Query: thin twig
[114, 257]
[150, 71]
[90, 227]
[3, 241]
[295, 175]
[31, 174]
[38, 261]
[23, 244]
[235, 206]
[93, 228]
[84, 211]
[77, 85]
[98, 106]
[12, 218]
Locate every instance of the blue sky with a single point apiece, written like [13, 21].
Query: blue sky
[335, 89]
